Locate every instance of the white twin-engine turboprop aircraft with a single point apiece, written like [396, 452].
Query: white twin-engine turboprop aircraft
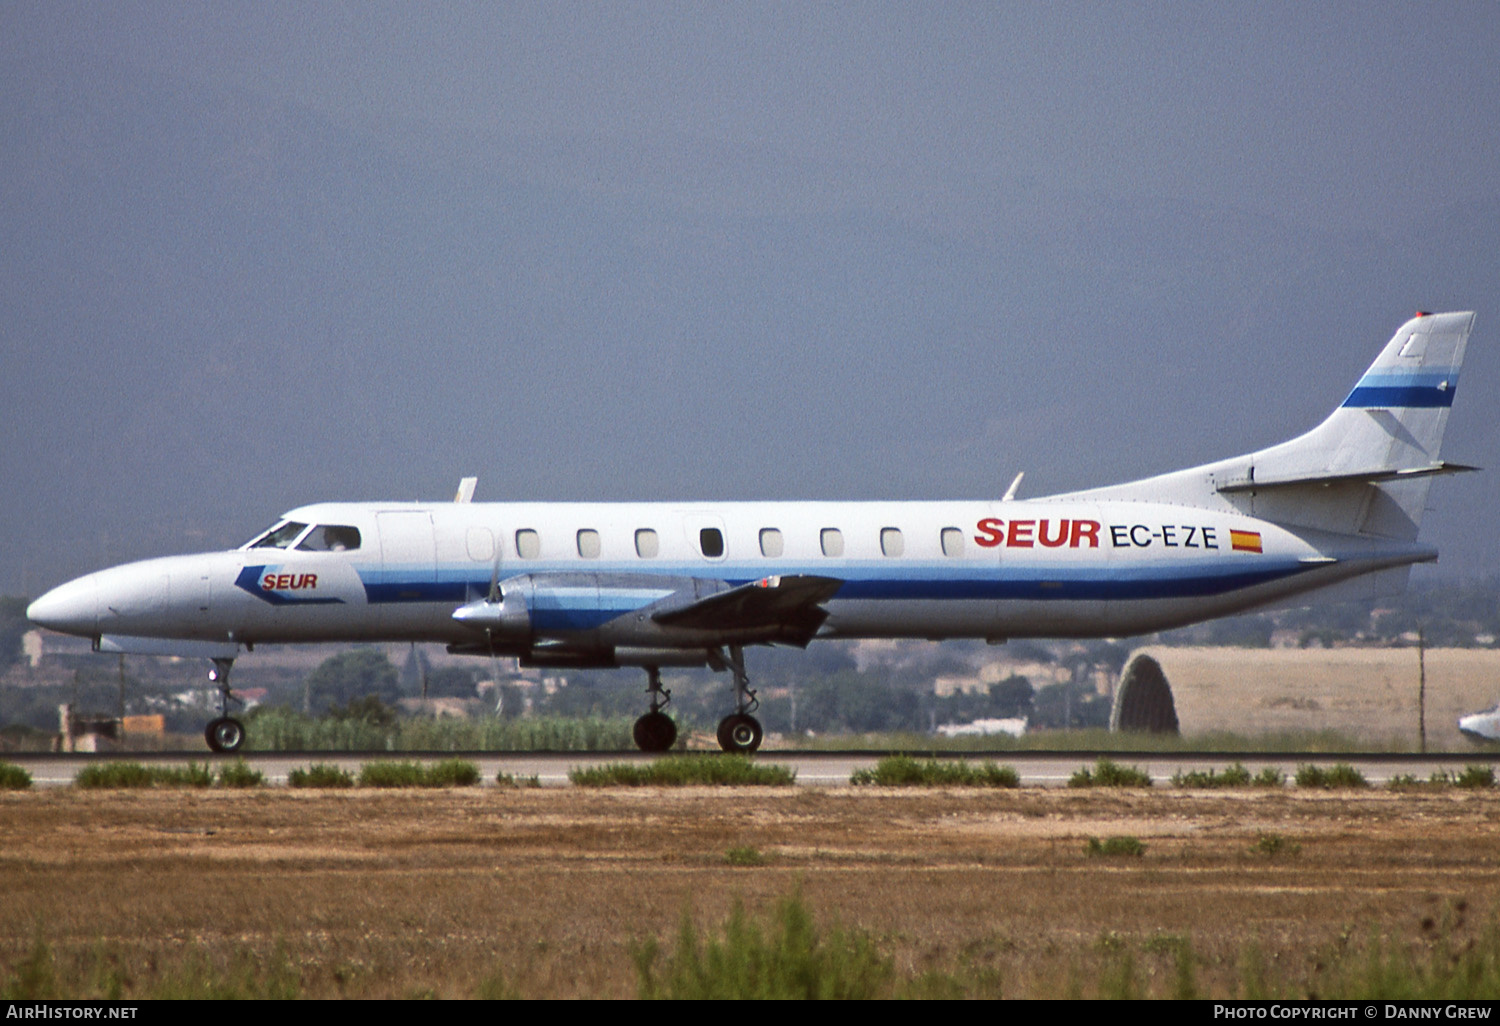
[690, 584]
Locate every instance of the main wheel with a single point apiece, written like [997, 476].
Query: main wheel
[739, 733]
[225, 734]
[655, 732]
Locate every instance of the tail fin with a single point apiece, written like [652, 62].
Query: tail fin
[1364, 470]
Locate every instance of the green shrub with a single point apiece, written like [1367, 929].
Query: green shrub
[13, 778]
[1107, 773]
[239, 774]
[789, 959]
[904, 771]
[1476, 777]
[1272, 845]
[505, 779]
[1235, 776]
[744, 855]
[1409, 782]
[392, 774]
[1129, 847]
[1269, 777]
[133, 774]
[1340, 775]
[320, 774]
[451, 773]
[448, 773]
[684, 771]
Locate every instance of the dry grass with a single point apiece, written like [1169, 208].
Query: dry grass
[546, 892]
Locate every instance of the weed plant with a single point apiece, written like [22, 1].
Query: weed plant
[786, 958]
[1234, 776]
[239, 774]
[1273, 845]
[1110, 774]
[448, 773]
[1112, 847]
[320, 774]
[102, 775]
[1338, 776]
[505, 779]
[1476, 778]
[13, 777]
[1270, 776]
[685, 771]
[904, 771]
[745, 855]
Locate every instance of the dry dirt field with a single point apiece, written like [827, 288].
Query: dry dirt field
[544, 892]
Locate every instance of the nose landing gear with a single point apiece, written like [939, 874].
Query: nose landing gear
[655, 731]
[224, 733]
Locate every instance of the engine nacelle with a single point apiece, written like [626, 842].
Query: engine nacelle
[508, 620]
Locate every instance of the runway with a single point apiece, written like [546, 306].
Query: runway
[813, 769]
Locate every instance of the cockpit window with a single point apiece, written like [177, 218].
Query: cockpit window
[331, 538]
[279, 537]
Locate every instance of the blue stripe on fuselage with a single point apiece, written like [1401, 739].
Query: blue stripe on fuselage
[585, 608]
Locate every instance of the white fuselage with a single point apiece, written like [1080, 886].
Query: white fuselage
[991, 570]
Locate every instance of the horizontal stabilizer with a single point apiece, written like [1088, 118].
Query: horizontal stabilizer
[790, 602]
[1359, 477]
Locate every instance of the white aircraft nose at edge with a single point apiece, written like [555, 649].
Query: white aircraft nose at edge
[1330, 515]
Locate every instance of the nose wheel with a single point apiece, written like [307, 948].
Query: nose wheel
[655, 731]
[224, 734]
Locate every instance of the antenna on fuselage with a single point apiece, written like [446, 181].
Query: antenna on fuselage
[465, 491]
[1015, 486]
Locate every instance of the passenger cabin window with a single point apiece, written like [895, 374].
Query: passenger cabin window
[891, 542]
[771, 544]
[647, 545]
[588, 543]
[833, 541]
[279, 537]
[330, 538]
[711, 542]
[953, 541]
[528, 543]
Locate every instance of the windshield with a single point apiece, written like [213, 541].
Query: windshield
[331, 538]
[279, 537]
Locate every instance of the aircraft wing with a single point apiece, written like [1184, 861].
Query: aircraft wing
[791, 603]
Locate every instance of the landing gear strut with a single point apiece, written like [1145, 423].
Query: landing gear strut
[739, 732]
[655, 731]
[225, 733]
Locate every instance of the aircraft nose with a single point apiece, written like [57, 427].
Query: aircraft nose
[71, 608]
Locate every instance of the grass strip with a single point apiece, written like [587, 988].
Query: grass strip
[448, 773]
[1336, 777]
[1107, 773]
[13, 777]
[320, 774]
[905, 771]
[686, 771]
[106, 775]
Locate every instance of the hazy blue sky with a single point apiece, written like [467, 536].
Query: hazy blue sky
[254, 255]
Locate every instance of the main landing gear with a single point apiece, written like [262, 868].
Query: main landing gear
[655, 731]
[225, 733]
[738, 732]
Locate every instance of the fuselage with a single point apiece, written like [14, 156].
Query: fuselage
[591, 573]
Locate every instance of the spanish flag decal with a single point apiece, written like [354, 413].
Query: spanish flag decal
[1244, 541]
